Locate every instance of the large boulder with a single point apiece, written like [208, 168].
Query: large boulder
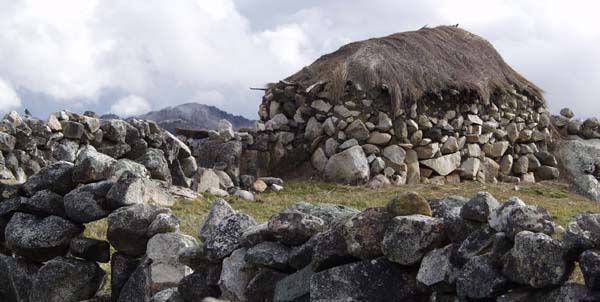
[575, 155]
[369, 280]
[408, 238]
[114, 130]
[57, 177]
[587, 186]
[128, 226]
[349, 166]
[40, 239]
[536, 260]
[67, 280]
[87, 203]
[92, 166]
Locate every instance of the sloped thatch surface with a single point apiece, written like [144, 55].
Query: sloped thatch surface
[417, 63]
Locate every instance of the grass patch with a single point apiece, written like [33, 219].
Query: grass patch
[554, 196]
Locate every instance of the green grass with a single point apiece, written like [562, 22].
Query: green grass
[554, 196]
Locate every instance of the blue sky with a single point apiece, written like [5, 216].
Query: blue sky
[129, 57]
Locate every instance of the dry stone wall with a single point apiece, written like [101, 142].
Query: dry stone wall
[452, 249]
[447, 138]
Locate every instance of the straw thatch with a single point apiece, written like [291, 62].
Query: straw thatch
[429, 61]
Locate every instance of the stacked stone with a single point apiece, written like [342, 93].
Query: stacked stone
[45, 257]
[29, 144]
[354, 138]
[567, 124]
[454, 249]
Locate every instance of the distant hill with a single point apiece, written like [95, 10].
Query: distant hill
[195, 116]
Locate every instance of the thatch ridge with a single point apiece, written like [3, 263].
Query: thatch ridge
[413, 64]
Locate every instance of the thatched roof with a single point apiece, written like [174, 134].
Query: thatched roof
[417, 63]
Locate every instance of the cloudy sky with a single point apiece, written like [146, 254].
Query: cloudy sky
[128, 57]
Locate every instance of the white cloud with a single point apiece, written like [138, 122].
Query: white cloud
[130, 105]
[9, 99]
[77, 50]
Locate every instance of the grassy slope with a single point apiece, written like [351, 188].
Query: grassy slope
[553, 196]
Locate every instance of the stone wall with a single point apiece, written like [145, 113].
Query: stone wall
[453, 249]
[443, 139]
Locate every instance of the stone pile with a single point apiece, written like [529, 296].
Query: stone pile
[355, 138]
[578, 152]
[453, 249]
[28, 144]
[44, 255]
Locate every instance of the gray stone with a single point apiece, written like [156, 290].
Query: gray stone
[205, 179]
[529, 218]
[450, 146]
[40, 239]
[369, 280]
[321, 105]
[567, 112]
[7, 142]
[128, 226]
[269, 254]
[245, 195]
[114, 130]
[87, 203]
[295, 287]
[165, 270]
[348, 144]
[225, 129]
[364, 232]
[226, 236]
[127, 165]
[17, 275]
[436, 270]
[319, 160]
[328, 212]
[235, 276]
[90, 249]
[546, 173]
[67, 280]
[394, 156]
[349, 166]
[473, 245]
[72, 130]
[357, 130]
[262, 286]
[57, 177]
[536, 260]
[590, 267]
[498, 218]
[163, 223]
[294, 228]
[480, 279]
[408, 238]
[218, 211]
[121, 269]
[378, 138]
[583, 233]
[587, 186]
[44, 203]
[479, 207]
[443, 165]
[131, 189]
[313, 129]
[154, 160]
[195, 287]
